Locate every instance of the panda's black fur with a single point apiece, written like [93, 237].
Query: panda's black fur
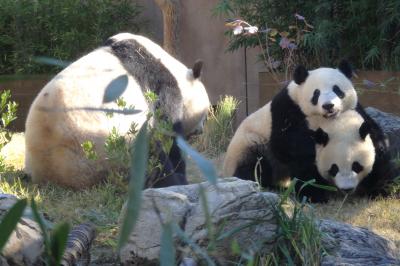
[153, 76]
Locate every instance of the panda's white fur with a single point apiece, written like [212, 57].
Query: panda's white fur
[345, 148]
[256, 128]
[59, 120]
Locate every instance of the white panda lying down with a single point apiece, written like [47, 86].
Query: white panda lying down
[348, 158]
[279, 138]
[57, 125]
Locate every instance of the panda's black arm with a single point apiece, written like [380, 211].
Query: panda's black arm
[291, 140]
[377, 135]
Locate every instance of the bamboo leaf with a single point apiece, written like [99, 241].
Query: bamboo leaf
[167, 250]
[140, 155]
[58, 242]
[10, 221]
[51, 61]
[205, 166]
[115, 89]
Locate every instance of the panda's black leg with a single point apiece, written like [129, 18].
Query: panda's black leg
[173, 167]
[164, 175]
[312, 193]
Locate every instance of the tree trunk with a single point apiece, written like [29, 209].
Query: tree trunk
[171, 16]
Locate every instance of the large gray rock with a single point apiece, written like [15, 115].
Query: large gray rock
[391, 126]
[25, 245]
[351, 245]
[233, 203]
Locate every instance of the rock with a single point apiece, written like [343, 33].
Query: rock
[350, 245]
[233, 203]
[391, 126]
[25, 244]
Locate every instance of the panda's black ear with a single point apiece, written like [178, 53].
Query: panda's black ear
[300, 74]
[321, 137]
[345, 68]
[197, 69]
[364, 130]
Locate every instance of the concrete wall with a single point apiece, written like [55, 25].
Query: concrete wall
[202, 36]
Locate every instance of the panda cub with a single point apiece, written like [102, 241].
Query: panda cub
[277, 138]
[63, 115]
[348, 158]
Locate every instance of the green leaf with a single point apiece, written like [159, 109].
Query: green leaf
[167, 250]
[196, 248]
[140, 155]
[38, 218]
[205, 166]
[115, 89]
[10, 221]
[58, 242]
[51, 61]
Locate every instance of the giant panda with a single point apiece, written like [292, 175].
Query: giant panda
[348, 157]
[64, 114]
[276, 142]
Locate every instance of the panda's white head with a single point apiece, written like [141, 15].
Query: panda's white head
[325, 92]
[345, 153]
[196, 102]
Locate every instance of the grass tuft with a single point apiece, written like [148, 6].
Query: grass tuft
[218, 129]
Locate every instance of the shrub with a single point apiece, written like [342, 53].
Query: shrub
[364, 31]
[58, 29]
[218, 129]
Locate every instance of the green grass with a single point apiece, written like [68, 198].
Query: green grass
[102, 204]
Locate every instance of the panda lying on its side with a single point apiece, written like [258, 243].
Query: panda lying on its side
[277, 141]
[58, 123]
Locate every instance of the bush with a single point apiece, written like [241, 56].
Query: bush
[364, 31]
[58, 29]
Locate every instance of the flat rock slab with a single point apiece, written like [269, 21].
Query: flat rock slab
[351, 245]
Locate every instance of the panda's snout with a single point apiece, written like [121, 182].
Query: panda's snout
[348, 190]
[328, 107]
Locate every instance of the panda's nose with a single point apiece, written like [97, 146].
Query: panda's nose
[328, 106]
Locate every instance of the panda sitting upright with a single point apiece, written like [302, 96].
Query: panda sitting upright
[64, 115]
[277, 138]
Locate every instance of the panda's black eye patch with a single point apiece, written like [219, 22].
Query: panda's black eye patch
[333, 170]
[314, 99]
[357, 167]
[338, 91]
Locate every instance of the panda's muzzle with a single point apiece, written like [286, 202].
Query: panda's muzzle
[328, 107]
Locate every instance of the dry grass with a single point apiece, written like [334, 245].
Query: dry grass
[382, 216]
